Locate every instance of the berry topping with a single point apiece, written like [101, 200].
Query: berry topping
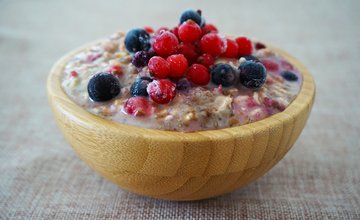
[161, 91]
[175, 31]
[138, 106]
[74, 73]
[165, 44]
[141, 58]
[115, 69]
[191, 15]
[251, 58]
[103, 87]
[231, 49]
[183, 84]
[198, 74]
[252, 74]
[213, 44]
[138, 88]
[270, 65]
[161, 30]
[209, 28]
[289, 76]
[223, 74]
[189, 51]
[159, 67]
[259, 46]
[178, 65]
[149, 29]
[245, 46]
[189, 32]
[206, 60]
[136, 40]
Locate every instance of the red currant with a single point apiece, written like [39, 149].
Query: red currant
[160, 30]
[198, 74]
[206, 59]
[270, 65]
[159, 67]
[213, 44]
[208, 28]
[178, 65]
[189, 31]
[231, 49]
[165, 44]
[161, 91]
[245, 46]
[189, 51]
[175, 31]
[138, 106]
[149, 29]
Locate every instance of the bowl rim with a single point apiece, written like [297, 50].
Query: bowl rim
[60, 100]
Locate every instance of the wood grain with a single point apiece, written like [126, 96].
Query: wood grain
[174, 165]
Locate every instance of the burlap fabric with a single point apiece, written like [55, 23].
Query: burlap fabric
[41, 177]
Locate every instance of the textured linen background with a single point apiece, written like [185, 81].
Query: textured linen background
[42, 178]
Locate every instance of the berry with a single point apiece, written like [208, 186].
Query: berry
[209, 28]
[289, 76]
[270, 65]
[161, 30]
[231, 49]
[189, 51]
[206, 59]
[103, 87]
[115, 69]
[189, 32]
[183, 84]
[136, 40]
[251, 58]
[259, 46]
[286, 65]
[192, 15]
[213, 44]
[245, 46]
[223, 74]
[138, 88]
[159, 67]
[165, 44]
[178, 65]
[138, 106]
[74, 73]
[161, 91]
[141, 58]
[198, 74]
[252, 74]
[175, 31]
[149, 29]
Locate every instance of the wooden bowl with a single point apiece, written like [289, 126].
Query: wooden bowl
[174, 165]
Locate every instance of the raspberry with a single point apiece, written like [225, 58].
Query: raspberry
[189, 51]
[270, 65]
[165, 44]
[231, 49]
[209, 28]
[189, 32]
[161, 91]
[178, 65]
[149, 29]
[206, 59]
[160, 30]
[198, 74]
[159, 67]
[245, 46]
[213, 44]
[138, 106]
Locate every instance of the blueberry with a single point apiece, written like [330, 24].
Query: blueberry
[136, 40]
[141, 58]
[138, 88]
[289, 76]
[103, 87]
[252, 74]
[183, 84]
[192, 15]
[223, 74]
[251, 58]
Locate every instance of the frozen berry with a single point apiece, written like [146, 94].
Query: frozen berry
[190, 15]
[178, 65]
[161, 91]
[198, 74]
[289, 76]
[206, 60]
[103, 87]
[189, 32]
[252, 74]
[231, 49]
[141, 58]
[259, 46]
[138, 88]
[213, 44]
[189, 51]
[138, 106]
[149, 29]
[208, 28]
[159, 67]
[270, 65]
[183, 84]
[136, 40]
[175, 31]
[165, 44]
[223, 74]
[161, 30]
[245, 46]
[251, 58]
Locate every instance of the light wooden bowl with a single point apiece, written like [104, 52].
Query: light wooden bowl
[174, 165]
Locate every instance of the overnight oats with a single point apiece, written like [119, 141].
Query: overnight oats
[188, 78]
